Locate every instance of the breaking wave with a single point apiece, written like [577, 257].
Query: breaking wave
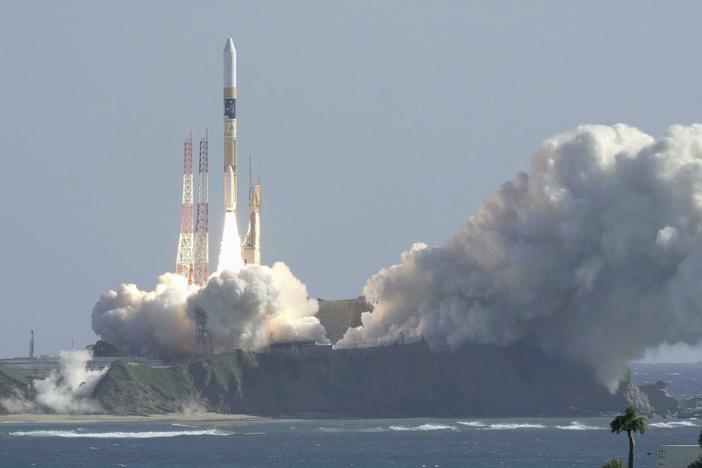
[507, 426]
[373, 429]
[120, 435]
[424, 427]
[472, 423]
[576, 426]
[328, 429]
[672, 424]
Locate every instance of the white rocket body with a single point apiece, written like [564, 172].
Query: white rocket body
[230, 183]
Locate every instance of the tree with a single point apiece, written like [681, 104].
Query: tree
[613, 463]
[631, 423]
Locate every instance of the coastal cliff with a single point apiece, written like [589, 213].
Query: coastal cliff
[404, 380]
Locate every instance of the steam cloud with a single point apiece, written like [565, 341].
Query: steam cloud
[246, 309]
[596, 256]
[66, 391]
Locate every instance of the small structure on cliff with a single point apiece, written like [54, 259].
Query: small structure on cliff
[203, 341]
[340, 315]
[297, 348]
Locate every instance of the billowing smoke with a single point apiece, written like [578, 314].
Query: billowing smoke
[257, 305]
[596, 256]
[147, 322]
[246, 309]
[66, 391]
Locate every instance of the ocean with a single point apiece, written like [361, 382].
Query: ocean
[456, 442]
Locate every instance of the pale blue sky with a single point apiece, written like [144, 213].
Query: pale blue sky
[376, 124]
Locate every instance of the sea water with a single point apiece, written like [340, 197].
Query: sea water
[455, 442]
[533, 442]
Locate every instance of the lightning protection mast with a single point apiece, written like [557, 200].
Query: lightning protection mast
[184, 258]
[201, 258]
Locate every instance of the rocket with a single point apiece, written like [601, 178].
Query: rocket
[230, 185]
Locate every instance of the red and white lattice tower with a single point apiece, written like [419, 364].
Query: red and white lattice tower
[184, 259]
[201, 258]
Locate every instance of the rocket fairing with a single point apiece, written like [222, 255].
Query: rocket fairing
[230, 184]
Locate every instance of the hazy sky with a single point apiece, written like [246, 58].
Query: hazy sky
[376, 124]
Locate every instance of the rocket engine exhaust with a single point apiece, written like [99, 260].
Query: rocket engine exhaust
[230, 249]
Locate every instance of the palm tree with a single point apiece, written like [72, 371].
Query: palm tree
[629, 422]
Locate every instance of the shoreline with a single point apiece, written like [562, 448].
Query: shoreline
[37, 417]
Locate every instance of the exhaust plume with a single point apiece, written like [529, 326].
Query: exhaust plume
[596, 255]
[246, 309]
[230, 248]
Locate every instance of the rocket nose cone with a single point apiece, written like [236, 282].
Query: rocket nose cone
[229, 46]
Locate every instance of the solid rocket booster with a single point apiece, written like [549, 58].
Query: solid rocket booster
[230, 185]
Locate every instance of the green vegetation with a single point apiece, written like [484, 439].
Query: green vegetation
[129, 388]
[13, 384]
[631, 423]
[613, 463]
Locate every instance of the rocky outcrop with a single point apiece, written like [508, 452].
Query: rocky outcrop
[663, 403]
[395, 381]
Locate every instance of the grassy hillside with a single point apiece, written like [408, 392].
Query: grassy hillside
[130, 388]
[12, 384]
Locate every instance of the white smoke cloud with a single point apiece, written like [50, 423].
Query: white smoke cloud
[246, 309]
[69, 390]
[150, 322]
[66, 391]
[596, 255]
[257, 305]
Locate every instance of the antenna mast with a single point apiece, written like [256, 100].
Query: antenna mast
[31, 344]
